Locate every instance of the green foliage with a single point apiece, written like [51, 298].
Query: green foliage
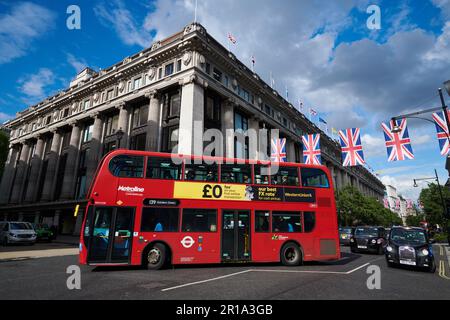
[432, 204]
[356, 209]
[414, 221]
[4, 145]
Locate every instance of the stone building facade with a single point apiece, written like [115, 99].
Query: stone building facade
[149, 98]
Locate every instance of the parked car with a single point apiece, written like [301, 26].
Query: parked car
[17, 232]
[410, 246]
[368, 239]
[43, 232]
[345, 233]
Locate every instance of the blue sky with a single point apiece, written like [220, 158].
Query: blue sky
[323, 52]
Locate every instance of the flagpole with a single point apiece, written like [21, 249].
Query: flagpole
[195, 12]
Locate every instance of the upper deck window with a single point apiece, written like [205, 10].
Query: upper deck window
[312, 177]
[201, 172]
[163, 168]
[286, 176]
[127, 166]
[235, 173]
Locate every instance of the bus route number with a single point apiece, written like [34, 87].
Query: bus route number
[210, 192]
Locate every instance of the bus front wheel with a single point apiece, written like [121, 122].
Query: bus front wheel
[291, 255]
[156, 256]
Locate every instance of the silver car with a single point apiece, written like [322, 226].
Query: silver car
[17, 232]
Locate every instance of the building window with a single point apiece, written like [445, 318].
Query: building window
[170, 138]
[241, 146]
[86, 104]
[159, 73]
[138, 142]
[168, 69]
[137, 83]
[208, 68]
[174, 104]
[112, 123]
[66, 112]
[110, 146]
[226, 81]
[87, 133]
[66, 139]
[81, 187]
[48, 120]
[199, 220]
[244, 94]
[160, 219]
[60, 175]
[140, 116]
[212, 112]
[217, 74]
[178, 65]
[110, 94]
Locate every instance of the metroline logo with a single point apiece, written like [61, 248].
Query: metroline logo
[130, 189]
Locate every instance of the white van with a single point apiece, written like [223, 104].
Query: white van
[17, 232]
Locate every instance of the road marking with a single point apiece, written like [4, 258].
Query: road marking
[441, 250]
[270, 270]
[442, 270]
[207, 280]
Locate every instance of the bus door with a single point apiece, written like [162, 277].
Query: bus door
[112, 235]
[235, 235]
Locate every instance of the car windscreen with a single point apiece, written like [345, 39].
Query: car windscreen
[19, 226]
[346, 230]
[404, 236]
[366, 232]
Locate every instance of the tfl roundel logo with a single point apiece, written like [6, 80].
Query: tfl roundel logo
[187, 242]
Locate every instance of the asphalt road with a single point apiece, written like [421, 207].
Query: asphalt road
[45, 278]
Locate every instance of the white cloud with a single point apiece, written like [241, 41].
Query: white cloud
[34, 86]
[77, 63]
[373, 146]
[404, 185]
[128, 30]
[4, 116]
[444, 5]
[24, 23]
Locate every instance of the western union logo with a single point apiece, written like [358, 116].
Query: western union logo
[208, 191]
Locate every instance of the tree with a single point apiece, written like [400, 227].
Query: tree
[356, 209]
[432, 203]
[4, 145]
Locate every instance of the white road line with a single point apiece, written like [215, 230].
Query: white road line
[207, 280]
[270, 270]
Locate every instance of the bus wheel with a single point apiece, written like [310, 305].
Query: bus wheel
[156, 256]
[291, 255]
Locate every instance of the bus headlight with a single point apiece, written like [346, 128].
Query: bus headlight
[374, 241]
[379, 241]
[389, 249]
[425, 252]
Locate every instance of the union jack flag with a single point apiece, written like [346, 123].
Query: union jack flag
[278, 150]
[311, 149]
[442, 131]
[352, 150]
[397, 204]
[409, 204]
[398, 144]
[232, 38]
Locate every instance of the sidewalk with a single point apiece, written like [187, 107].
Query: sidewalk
[68, 239]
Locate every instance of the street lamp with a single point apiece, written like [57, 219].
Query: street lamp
[119, 136]
[435, 178]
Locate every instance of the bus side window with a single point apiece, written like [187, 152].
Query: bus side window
[201, 172]
[261, 174]
[199, 220]
[236, 173]
[312, 177]
[163, 169]
[286, 176]
[284, 221]
[262, 219]
[125, 166]
[159, 220]
[309, 221]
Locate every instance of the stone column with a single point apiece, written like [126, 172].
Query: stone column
[20, 174]
[331, 168]
[123, 124]
[253, 138]
[190, 140]
[290, 150]
[8, 174]
[68, 188]
[153, 129]
[94, 149]
[35, 163]
[228, 128]
[51, 167]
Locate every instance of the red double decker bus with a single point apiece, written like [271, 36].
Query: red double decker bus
[156, 209]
